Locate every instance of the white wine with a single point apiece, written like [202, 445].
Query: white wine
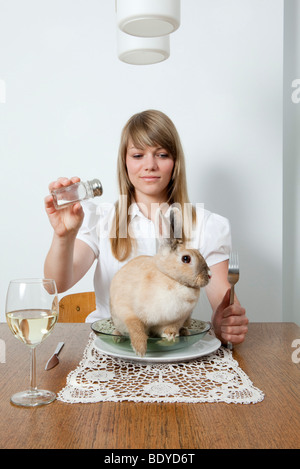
[32, 326]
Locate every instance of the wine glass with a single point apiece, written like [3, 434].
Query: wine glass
[31, 313]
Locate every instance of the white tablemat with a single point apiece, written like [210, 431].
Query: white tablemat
[216, 377]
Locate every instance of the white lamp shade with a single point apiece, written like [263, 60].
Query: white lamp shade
[142, 50]
[148, 18]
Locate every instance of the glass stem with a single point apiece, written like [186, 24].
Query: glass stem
[32, 369]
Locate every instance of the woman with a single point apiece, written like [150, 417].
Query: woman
[151, 174]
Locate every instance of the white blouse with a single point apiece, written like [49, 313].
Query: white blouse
[211, 236]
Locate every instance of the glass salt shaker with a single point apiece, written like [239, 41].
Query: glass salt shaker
[77, 192]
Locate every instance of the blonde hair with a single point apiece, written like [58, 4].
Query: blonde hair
[147, 128]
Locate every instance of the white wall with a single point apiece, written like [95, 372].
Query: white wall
[291, 162]
[68, 96]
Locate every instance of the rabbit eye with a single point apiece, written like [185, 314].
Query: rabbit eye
[186, 259]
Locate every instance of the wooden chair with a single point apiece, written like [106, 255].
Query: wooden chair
[76, 307]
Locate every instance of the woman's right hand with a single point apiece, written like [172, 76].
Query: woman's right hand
[65, 221]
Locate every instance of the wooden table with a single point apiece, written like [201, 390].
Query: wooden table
[265, 356]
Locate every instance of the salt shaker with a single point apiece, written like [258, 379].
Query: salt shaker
[77, 192]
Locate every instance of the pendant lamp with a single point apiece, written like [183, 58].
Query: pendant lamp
[142, 50]
[148, 18]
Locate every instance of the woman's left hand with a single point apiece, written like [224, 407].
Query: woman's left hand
[230, 321]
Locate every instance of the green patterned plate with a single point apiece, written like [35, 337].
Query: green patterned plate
[104, 329]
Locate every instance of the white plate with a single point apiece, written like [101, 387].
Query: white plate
[205, 346]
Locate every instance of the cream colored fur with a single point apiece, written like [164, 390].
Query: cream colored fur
[156, 295]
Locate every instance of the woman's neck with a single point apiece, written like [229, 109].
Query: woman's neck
[148, 205]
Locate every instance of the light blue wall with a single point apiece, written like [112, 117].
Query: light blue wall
[291, 163]
[68, 97]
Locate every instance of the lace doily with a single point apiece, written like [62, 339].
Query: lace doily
[213, 378]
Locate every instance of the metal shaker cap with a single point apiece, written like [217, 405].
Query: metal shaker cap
[96, 187]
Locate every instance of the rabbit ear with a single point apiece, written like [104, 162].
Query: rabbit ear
[176, 223]
[162, 229]
[163, 225]
[168, 232]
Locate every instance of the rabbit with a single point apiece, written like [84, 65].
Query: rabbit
[155, 295]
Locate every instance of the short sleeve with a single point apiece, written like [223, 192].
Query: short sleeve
[215, 240]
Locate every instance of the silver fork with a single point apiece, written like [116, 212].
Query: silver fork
[233, 277]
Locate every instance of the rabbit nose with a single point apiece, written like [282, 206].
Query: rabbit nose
[209, 273]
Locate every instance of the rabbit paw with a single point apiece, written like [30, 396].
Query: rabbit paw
[118, 338]
[184, 331]
[139, 345]
[170, 334]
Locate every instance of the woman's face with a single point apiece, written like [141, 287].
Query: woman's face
[149, 170]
